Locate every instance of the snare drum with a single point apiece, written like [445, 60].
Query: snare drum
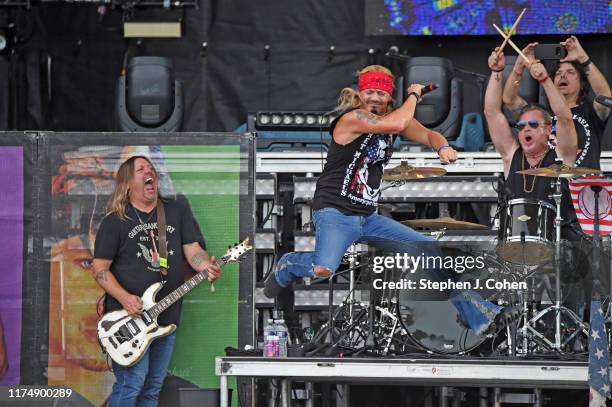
[527, 232]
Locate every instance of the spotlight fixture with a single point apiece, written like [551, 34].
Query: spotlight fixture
[294, 120]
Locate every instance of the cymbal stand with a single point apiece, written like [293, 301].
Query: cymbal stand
[352, 256]
[526, 330]
[557, 308]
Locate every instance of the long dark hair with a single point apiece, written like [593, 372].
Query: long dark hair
[585, 87]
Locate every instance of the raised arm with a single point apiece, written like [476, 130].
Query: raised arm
[355, 123]
[498, 126]
[567, 141]
[511, 97]
[596, 79]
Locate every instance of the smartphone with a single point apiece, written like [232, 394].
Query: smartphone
[550, 51]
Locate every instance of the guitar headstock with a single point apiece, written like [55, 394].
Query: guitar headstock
[235, 253]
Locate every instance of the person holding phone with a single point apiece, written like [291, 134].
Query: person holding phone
[573, 76]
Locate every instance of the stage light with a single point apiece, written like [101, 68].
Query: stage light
[293, 120]
[287, 119]
[149, 99]
[264, 119]
[276, 119]
[299, 119]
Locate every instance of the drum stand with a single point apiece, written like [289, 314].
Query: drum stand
[557, 308]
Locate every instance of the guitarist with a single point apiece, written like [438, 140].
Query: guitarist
[127, 260]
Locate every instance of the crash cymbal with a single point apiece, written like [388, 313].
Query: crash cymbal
[560, 171]
[404, 171]
[443, 223]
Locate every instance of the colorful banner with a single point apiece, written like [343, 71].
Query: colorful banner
[12, 255]
[209, 177]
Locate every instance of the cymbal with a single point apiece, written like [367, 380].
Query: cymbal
[404, 171]
[560, 171]
[443, 223]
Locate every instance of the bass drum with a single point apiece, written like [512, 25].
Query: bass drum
[433, 322]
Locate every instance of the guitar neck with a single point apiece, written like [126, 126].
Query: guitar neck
[183, 289]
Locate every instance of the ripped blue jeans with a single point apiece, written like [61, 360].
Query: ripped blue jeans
[335, 232]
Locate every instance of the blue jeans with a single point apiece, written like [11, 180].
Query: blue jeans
[140, 385]
[335, 232]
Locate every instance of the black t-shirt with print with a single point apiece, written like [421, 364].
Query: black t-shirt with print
[589, 129]
[350, 181]
[128, 244]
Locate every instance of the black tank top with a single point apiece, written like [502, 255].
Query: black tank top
[351, 178]
[537, 188]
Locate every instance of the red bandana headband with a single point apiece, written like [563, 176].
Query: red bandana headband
[376, 80]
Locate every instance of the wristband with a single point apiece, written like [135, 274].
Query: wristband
[499, 70]
[443, 147]
[585, 63]
[416, 95]
[543, 79]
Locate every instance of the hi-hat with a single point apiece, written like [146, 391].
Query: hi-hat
[443, 223]
[404, 171]
[560, 171]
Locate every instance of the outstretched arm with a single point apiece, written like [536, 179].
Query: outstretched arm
[511, 97]
[498, 126]
[420, 134]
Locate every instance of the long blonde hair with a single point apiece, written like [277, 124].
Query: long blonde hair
[120, 198]
[349, 97]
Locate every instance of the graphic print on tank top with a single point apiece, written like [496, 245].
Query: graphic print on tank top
[588, 130]
[359, 185]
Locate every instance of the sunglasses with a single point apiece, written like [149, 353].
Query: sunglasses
[534, 124]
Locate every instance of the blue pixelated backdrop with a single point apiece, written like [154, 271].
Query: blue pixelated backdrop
[456, 17]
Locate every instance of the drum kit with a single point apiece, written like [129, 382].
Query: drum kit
[529, 248]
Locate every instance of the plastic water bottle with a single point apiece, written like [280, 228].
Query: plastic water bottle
[274, 346]
[269, 330]
[283, 337]
[271, 346]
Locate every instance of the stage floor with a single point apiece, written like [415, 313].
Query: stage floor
[461, 371]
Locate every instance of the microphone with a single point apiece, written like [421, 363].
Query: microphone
[604, 100]
[393, 50]
[428, 88]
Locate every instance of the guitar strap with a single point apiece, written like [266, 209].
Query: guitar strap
[161, 230]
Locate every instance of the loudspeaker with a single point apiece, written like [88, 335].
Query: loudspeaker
[178, 392]
[201, 397]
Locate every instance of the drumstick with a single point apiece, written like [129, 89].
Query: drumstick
[501, 48]
[513, 45]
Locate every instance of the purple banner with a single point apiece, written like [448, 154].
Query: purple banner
[11, 253]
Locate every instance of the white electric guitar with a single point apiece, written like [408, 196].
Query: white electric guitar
[126, 339]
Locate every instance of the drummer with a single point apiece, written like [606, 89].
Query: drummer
[348, 189]
[530, 149]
